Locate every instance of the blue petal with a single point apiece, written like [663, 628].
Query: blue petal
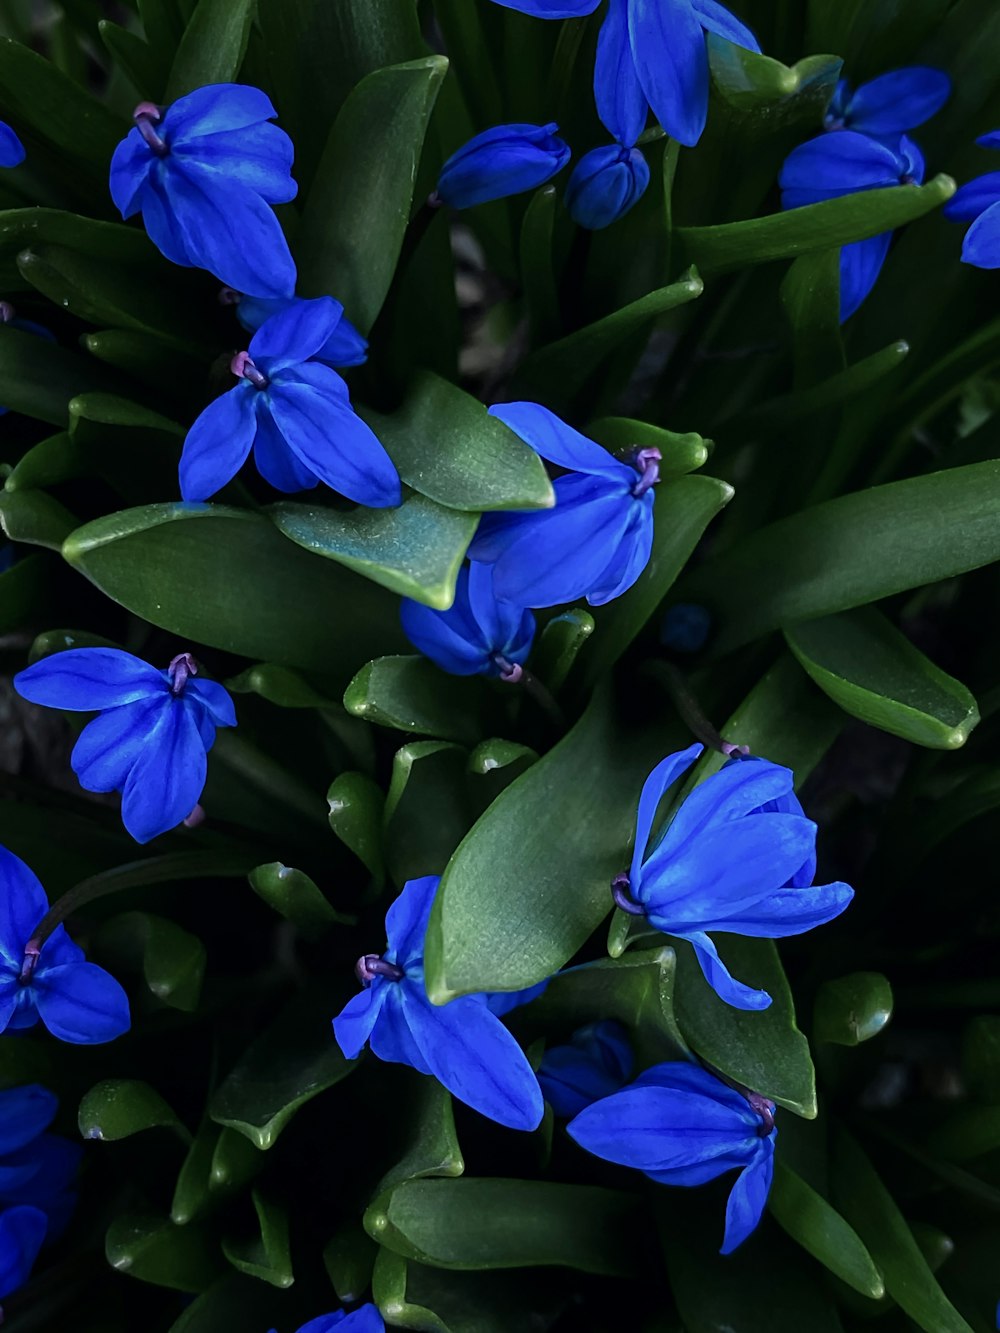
[605, 185]
[833, 165]
[25, 1113]
[718, 976]
[406, 921]
[621, 103]
[160, 219]
[452, 639]
[737, 790]
[787, 912]
[974, 198]
[46, 1169]
[109, 745]
[502, 625]
[990, 140]
[131, 166]
[167, 778]
[552, 439]
[88, 679]
[502, 1003]
[671, 60]
[17, 1008]
[365, 1320]
[654, 1129]
[23, 904]
[982, 241]
[353, 1025]
[218, 443]
[717, 19]
[597, 1063]
[686, 1076]
[312, 412]
[914, 162]
[860, 265]
[258, 158]
[552, 9]
[295, 334]
[216, 108]
[12, 152]
[392, 1039]
[700, 1173]
[470, 1051]
[275, 461]
[504, 161]
[664, 775]
[633, 555]
[214, 698]
[22, 1233]
[80, 1003]
[899, 101]
[749, 1197]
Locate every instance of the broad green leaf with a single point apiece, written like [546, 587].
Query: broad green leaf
[191, 1197]
[267, 1254]
[297, 898]
[767, 93]
[235, 1162]
[358, 209]
[800, 231]
[863, 662]
[496, 755]
[51, 461]
[436, 1300]
[151, 1248]
[412, 694]
[531, 880]
[432, 1148]
[538, 278]
[289, 1064]
[415, 550]
[171, 959]
[356, 807]
[447, 446]
[557, 646]
[836, 391]
[39, 378]
[810, 297]
[142, 355]
[35, 518]
[681, 453]
[852, 551]
[427, 811]
[212, 48]
[481, 1223]
[117, 1108]
[237, 1302]
[89, 410]
[21, 227]
[194, 569]
[852, 1009]
[819, 1228]
[763, 1051]
[389, 1281]
[869, 1207]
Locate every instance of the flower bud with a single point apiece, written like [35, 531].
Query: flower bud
[505, 160]
[605, 184]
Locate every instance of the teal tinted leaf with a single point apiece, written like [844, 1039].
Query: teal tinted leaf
[348, 1260]
[133, 56]
[289, 1064]
[681, 453]
[51, 461]
[415, 550]
[853, 550]
[152, 1249]
[193, 569]
[800, 231]
[412, 694]
[852, 1009]
[764, 1051]
[171, 959]
[21, 227]
[819, 1228]
[765, 91]
[213, 45]
[297, 898]
[117, 1108]
[474, 1223]
[447, 446]
[235, 1162]
[265, 1255]
[236, 1302]
[558, 644]
[358, 209]
[39, 378]
[428, 809]
[356, 807]
[531, 880]
[875, 674]
[35, 518]
[869, 1207]
[191, 1197]
[433, 1148]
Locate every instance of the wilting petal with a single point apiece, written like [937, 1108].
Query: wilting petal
[406, 920]
[671, 60]
[553, 440]
[167, 778]
[22, 1233]
[218, 443]
[898, 101]
[23, 904]
[25, 1113]
[717, 19]
[621, 103]
[974, 198]
[295, 334]
[721, 979]
[749, 1197]
[109, 745]
[860, 265]
[353, 1025]
[982, 241]
[654, 1129]
[664, 775]
[88, 679]
[80, 1003]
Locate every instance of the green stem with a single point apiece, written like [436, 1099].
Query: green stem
[689, 708]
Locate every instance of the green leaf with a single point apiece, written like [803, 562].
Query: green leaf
[114, 241]
[415, 550]
[412, 694]
[819, 1228]
[767, 92]
[810, 297]
[278, 685]
[447, 446]
[763, 1051]
[117, 1108]
[235, 1162]
[358, 209]
[558, 645]
[48, 463]
[969, 1133]
[39, 379]
[289, 1064]
[800, 231]
[389, 1281]
[495, 755]
[348, 1260]
[213, 46]
[433, 1148]
[538, 279]
[852, 1009]
[151, 1248]
[436, 1300]
[356, 807]
[171, 959]
[981, 1057]
[428, 809]
[863, 663]
[681, 453]
[191, 1196]
[475, 1224]
[35, 518]
[24, 592]
[267, 1254]
[297, 898]
[235, 1303]
[851, 551]
[870, 1209]
[134, 57]
[194, 569]
[834, 392]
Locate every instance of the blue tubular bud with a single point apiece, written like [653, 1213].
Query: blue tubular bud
[605, 185]
[505, 160]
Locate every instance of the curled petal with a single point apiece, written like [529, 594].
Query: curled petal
[716, 18]
[214, 109]
[734, 792]
[81, 1003]
[663, 776]
[296, 333]
[131, 166]
[552, 439]
[787, 912]
[718, 976]
[982, 241]
[632, 557]
[214, 698]
[259, 158]
[88, 679]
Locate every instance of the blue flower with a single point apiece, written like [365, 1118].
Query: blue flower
[978, 202]
[890, 105]
[204, 174]
[505, 160]
[596, 1063]
[681, 1125]
[366, 1319]
[152, 734]
[294, 413]
[77, 1001]
[344, 347]
[463, 1044]
[12, 152]
[833, 165]
[605, 184]
[477, 635]
[595, 542]
[552, 9]
[738, 856]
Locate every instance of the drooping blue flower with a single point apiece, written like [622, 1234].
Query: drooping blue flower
[891, 105]
[681, 1125]
[77, 1001]
[204, 173]
[345, 346]
[502, 161]
[296, 416]
[605, 184]
[153, 731]
[12, 152]
[833, 165]
[462, 1043]
[978, 202]
[366, 1319]
[597, 1062]
[477, 635]
[738, 856]
[595, 542]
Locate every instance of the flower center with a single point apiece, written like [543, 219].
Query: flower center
[370, 966]
[179, 669]
[147, 117]
[243, 368]
[647, 463]
[510, 672]
[765, 1109]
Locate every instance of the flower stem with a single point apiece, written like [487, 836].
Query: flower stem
[690, 710]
